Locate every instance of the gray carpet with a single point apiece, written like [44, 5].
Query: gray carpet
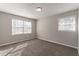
[37, 47]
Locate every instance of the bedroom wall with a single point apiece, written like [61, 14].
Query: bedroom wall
[78, 32]
[6, 36]
[47, 29]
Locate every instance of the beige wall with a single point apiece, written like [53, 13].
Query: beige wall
[47, 29]
[78, 32]
[5, 29]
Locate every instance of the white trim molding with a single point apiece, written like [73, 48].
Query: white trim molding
[59, 43]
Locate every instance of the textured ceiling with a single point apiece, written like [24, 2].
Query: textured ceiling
[28, 9]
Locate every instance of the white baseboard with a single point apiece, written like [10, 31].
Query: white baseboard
[59, 43]
[7, 43]
[41, 39]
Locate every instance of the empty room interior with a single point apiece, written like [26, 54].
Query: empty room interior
[39, 29]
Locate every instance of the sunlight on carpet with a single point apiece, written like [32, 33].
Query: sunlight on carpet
[20, 47]
[18, 50]
[5, 52]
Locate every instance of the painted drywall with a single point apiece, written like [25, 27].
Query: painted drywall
[47, 29]
[6, 36]
[78, 32]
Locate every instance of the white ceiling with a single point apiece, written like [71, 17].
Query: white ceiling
[28, 9]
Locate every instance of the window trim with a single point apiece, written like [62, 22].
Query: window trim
[67, 30]
[21, 27]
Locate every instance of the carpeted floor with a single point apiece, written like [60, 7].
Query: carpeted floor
[37, 47]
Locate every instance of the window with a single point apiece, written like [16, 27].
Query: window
[27, 27]
[21, 27]
[67, 24]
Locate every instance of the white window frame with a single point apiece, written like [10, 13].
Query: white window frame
[65, 24]
[26, 25]
[16, 25]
